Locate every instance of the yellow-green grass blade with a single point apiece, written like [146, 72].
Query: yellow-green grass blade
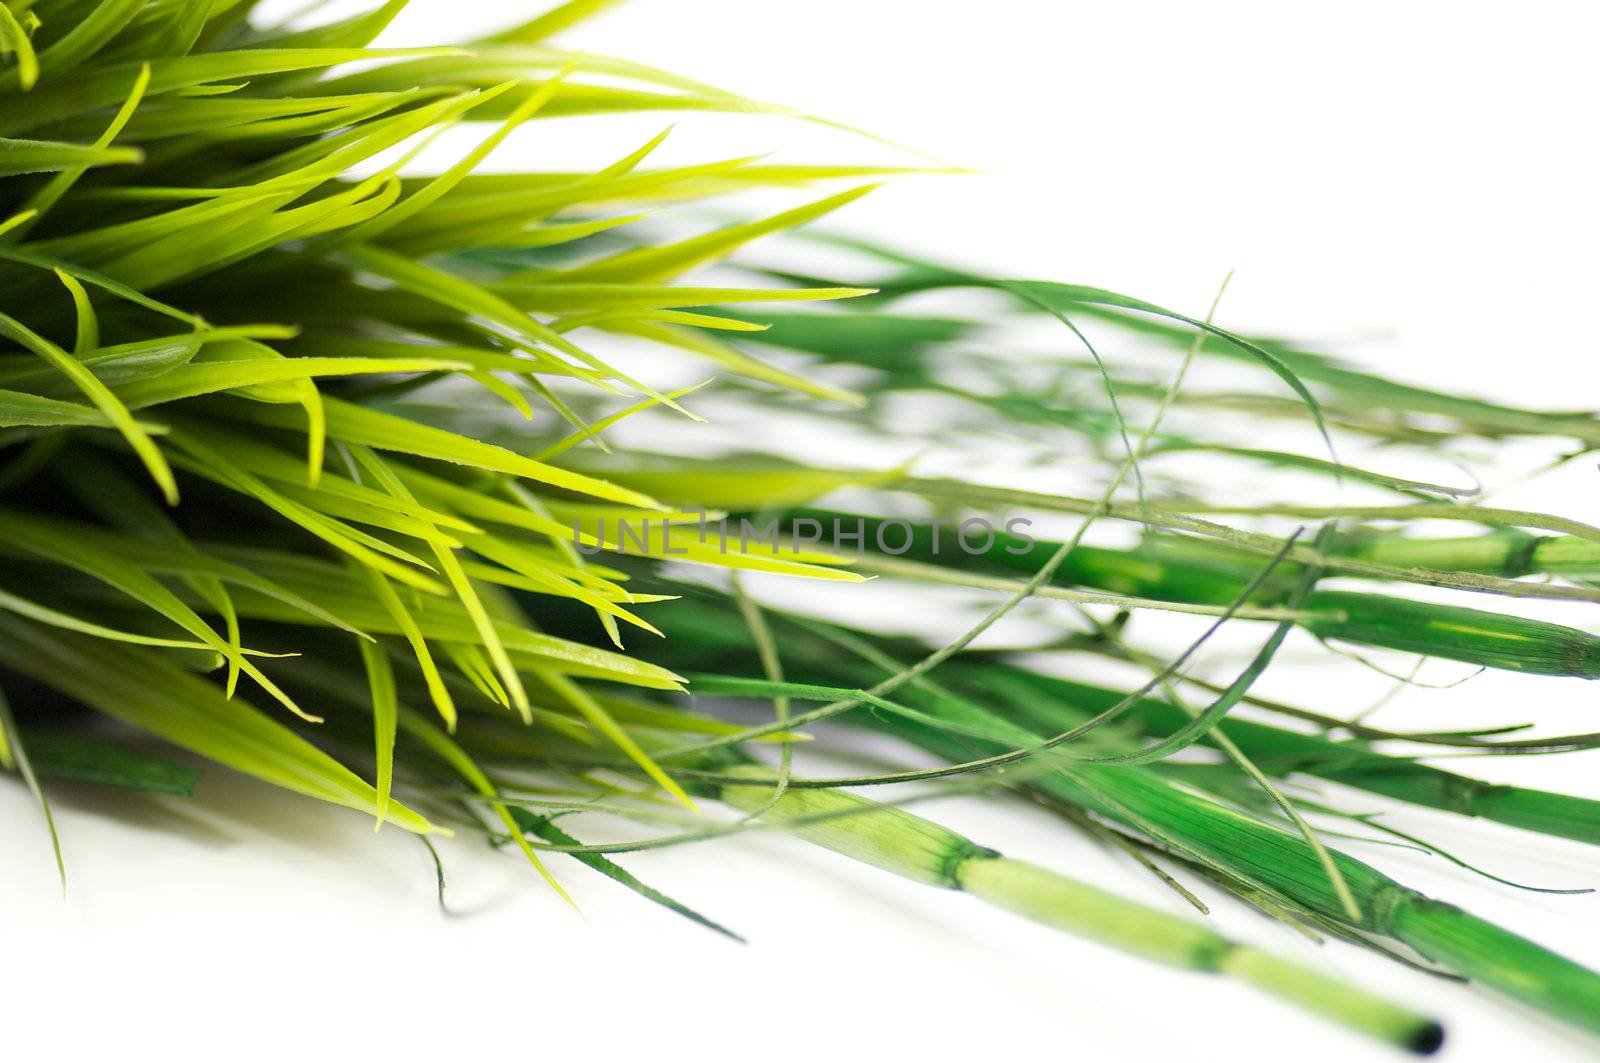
[144, 691]
[440, 620]
[357, 31]
[101, 281]
[466, 297]
[471, 663]
[122, 506]
[385, 717]
[218, 120]
[357, 424]
[697, 341]
[209, 378]
[459, 582]
[21, 409]
[99, 246]
[526, 235]
[330, 157]
[102, 397]
[527, 570]
[375, 519]
[640, 532]
[18, 219]
[656, 265]
[301, 391]
[592, 431]
[333, 493]
[501, 389]
[743, 485]
[184, 255]
[138, 361]
[58, 541]
[14, 754]
[92, 32]
[554, 297]
[320, 343]
[581, 570]
[185, 560]
[534, 57]
[406, 625]
[20, 45]
[206, 460]
[43, 614]
[105, 86]
[485, 204]
[551, 22]
[663, 317]
[59, 185]
[460, 762]
[44, 156]
[728, 547]
[436, 189]
[591, 710]
[88, 333]
[183, 27]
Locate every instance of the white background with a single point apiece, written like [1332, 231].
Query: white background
[1415, 180]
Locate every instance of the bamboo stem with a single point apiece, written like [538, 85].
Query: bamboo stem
[915, 848]
[1195, 825]
[1208, 574]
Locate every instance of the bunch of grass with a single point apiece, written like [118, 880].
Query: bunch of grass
[174, 176]
[251, 412]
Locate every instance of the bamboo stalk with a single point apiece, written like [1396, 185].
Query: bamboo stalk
[918, 849]
[1503, 553]
[1210, 575]
[1192, 823]
[1186, 822]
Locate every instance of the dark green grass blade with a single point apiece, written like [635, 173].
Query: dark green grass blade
[1055, 704]
[545, 827]
[82, 759]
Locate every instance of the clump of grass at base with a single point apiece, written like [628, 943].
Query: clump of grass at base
[210, 317]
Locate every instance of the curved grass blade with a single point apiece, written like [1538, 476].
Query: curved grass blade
[545, 827]
[17, 754]
[145, 691]
[103, 399]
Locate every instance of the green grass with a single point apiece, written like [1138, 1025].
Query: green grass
[305, 471]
